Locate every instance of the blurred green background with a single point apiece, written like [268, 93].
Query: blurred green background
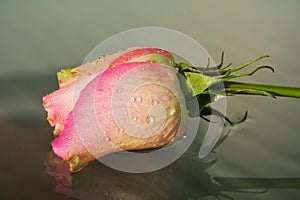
[37, 38]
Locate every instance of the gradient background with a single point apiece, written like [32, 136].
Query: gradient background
[38, 38]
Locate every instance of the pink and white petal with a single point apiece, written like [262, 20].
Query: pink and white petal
[91, 130]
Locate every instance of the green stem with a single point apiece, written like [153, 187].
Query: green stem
[259, 89]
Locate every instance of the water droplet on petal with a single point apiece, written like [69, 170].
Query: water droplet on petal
[165, 97]
[125, 113]
[108, 116]
[149, 119]
[119, 90]
[119, 78]
[154, 102]
[132, 99]
[184, 136]
[138, 99]
[171, 110]
[68, 138]
[134, 118]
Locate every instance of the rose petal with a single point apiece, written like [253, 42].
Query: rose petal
[91, 131]
[60, 103]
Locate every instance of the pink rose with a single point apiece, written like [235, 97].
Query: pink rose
[124, 101]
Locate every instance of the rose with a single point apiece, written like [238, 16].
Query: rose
[125, 101]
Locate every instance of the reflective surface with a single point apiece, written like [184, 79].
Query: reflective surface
[259, 160]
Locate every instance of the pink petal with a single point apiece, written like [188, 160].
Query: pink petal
[60, 103]
[90, 129]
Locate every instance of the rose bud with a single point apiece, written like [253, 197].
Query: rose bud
[133, 103]
[59, 103]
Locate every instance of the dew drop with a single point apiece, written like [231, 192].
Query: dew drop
[119, 90]
[132, 99]
[154, 102]
[171, 110]
[119, 78]
[134, 118]
[138, 99]
[69, 138]
[165, 97]
[107, 138]
[184, 137]
[149, 120]
[108, 116]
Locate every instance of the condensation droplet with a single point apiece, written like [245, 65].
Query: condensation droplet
[107, 138]
[119, 90]
[119, 78]
[154, 102]
[149, 119]
[171, 110]
[184, 136]
[165, 97]
[134, 118]
[138, 99]
[132, 99]
[69, 138]
[121, 130]
[108, 116]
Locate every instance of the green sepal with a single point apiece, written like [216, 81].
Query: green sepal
[198, 83]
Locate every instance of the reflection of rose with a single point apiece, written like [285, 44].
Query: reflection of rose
[152, 112]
